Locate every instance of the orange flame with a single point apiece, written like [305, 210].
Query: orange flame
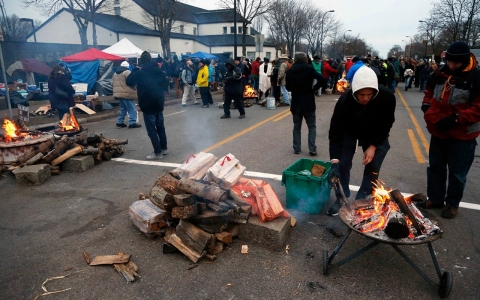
[71, 123]
[342, 85]
[10, 130]
[249, 92]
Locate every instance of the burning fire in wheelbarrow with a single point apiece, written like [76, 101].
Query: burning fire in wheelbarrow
[68, 124]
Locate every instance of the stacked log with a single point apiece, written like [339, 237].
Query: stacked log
[55, 152]
[201, 217]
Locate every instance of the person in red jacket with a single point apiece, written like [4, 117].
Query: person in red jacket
[452, 112]
[326, 71]
[255, 73]
[348, 64]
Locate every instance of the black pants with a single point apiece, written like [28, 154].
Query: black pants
[237, 99]
[204, 92]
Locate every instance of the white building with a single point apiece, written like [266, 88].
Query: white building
[196, 29]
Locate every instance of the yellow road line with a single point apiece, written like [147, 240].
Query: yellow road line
[416, 147]
[286, 113]
[242, 132]
[415, 122]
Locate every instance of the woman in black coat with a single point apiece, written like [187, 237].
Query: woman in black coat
[58, 80]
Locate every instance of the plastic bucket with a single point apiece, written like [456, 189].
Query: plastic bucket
[271, 103]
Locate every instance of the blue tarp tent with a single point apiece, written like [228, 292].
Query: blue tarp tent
[200, 55]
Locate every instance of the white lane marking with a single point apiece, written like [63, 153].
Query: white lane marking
[178, 112]
[354, 188]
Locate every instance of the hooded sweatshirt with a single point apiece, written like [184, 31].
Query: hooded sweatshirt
[151, 85]
[299, 81]
[370, 123]
[233, 79]
[120, 88]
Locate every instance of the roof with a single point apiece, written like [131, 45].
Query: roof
[217, 16]
[184, 12]
[227, 40]
[124, 48]
[89, 55]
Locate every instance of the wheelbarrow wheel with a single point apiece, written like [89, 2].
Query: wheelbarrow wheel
[446, 283]
[325, 262]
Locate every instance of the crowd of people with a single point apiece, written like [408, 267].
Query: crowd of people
[363, 115]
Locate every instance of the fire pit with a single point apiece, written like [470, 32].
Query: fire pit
[68, 125]
[371, 217]
[249, 93]
[16, 141]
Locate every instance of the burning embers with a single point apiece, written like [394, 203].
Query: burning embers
[249, 92]
[12, 132]
[69, 123]
[386, 214]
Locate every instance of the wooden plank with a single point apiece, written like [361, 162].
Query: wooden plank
[191, 254]
[111, 259]
[128, 270]
[85, 109]
[192, 236]
[224, 237]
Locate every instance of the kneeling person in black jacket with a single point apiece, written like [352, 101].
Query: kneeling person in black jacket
[365, 114]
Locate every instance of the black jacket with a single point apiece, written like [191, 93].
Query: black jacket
[233, 79]
[299, 81]
[60, 81]
[370, 123]
[151, 85]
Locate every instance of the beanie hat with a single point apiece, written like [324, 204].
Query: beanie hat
[145, 57]
[300, 56]
[458, 51]
[355, 59]
[125, 64]
[266, 59]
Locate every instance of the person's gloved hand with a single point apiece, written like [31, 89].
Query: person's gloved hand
[447, 122]
[334, 172]
[425, 107]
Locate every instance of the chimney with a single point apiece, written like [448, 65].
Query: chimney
[116, 6]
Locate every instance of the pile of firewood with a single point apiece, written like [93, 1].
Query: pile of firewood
[54, 152]
[195, 217]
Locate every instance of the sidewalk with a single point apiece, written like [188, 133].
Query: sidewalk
[38, 122]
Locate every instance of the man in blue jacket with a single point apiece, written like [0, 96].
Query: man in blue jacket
[357, 64]
[151, 85]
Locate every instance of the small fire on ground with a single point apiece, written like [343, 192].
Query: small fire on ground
[342, 85]
[68, 123]
[12, 132]
[381, 215]
[249, 92]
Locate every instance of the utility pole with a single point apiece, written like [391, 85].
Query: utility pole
[344, 41]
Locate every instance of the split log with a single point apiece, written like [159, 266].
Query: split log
[113, 142]
[119, 258]
[184, 199]
[214, 207]
[184, 212]
[217, 248]
[224, 237]
[162, 198]
[128, 270]
[192, 236]
[34, 159]
[60, 148]
[80, 139]
[201, 207]
[398, 198]
[191, 254]
[74, 151]
[206, 191]
[90, 151]
[397, 227]
[170, 184]
[233, 205]
[240, 218]
[168, 232]
[210, 257]
[66, 119]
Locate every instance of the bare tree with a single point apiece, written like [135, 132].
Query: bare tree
[83, 12]
[257, 23]
[248, 10]
[287, 19]
[166, 16]
[457, 18]
[313, 32]
[396, 50]
[15, 30]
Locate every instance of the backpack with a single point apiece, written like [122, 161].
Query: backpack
[181, 83]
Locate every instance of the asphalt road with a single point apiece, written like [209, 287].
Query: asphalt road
[45, 229]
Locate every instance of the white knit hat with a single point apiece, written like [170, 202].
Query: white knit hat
[125, 64]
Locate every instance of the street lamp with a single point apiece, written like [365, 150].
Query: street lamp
[321, 42]
[426, 41]
[33, 26]
[410, 46]
[344, 41]
[405, 51]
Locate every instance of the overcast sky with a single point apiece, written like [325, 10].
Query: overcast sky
[382, 23]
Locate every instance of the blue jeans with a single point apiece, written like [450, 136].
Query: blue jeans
[458, 156]
[371, 171]
[286, 98]
[408, 82]
[391, 84]
[127, 106]
[156, 131]
[422, 83]
[310, 119]
[256, 81]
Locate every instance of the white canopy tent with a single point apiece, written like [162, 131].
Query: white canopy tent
[125, 48]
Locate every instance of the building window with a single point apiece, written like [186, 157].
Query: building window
[224, 30]
[232, 29]
[240, 29]
[251, 56]
[181, 28]
[194, 30]
[268, 54]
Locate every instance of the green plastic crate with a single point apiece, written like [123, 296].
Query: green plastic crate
[306, 193]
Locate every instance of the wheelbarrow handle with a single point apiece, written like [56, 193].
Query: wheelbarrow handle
[339, 191]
